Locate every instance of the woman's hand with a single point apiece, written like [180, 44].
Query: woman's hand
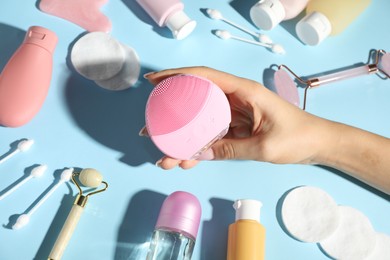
[264, 127]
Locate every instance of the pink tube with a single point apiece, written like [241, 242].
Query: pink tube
[169, 13]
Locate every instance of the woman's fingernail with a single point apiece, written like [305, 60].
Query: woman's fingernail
[206, 155]
[158, 163]
[146, 75]
[143, 132]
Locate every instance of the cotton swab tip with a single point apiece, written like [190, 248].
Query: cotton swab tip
[264, 38]
[39, 171]
[214, 14]
[25, 145]
[21, 221]
[223, 34]
[66, 174]
[278, 49]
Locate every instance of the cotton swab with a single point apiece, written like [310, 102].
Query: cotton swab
[35, 173]
[25, 218]
[23, 146]
[217, 15]
[275, 48]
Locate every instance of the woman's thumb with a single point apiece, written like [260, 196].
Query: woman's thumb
[228, 149]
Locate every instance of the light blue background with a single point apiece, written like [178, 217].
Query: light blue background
[83, 125]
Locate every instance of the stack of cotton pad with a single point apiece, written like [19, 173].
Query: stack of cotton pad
[311, 215]
[111, 64]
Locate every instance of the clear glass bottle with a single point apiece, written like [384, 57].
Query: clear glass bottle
[167, 244]
[176, 228]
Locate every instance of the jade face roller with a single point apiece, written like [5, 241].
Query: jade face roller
[287, 89]
[89, 178]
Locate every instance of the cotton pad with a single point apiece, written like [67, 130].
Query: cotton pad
[84, 13]
[354, 238]
[310, 214]
[127, 76]
[382, 248]
[97, 56]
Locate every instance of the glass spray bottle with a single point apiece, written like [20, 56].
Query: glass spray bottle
[176, 228]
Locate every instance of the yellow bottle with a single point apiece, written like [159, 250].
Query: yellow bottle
[328, 17]
[246, 240]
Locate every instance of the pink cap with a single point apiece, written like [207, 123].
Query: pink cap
[180, 211]
[42, 37]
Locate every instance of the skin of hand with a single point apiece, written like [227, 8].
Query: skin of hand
[265, 127]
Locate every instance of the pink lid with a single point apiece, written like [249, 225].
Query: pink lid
[42, 37]
[285, 87]
[181, 211]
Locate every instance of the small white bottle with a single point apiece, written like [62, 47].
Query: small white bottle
[176, 228]
[266, 14]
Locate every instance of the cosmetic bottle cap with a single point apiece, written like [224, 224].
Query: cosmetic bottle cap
[180, 25]
[267, 14]
[181, 211]
[247, 209]
[313, 28]
[42, 37]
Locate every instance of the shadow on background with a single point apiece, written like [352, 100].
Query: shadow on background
[243, 8]
[290, 25]
[215, 231]
[57, 223]
[11, 39]
[358, 182]
[141, 14]
[138, 224]
[113, 118]
[268, 77]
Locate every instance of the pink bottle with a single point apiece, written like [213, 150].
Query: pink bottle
[25, 80]
[269, 13]
[169, 13]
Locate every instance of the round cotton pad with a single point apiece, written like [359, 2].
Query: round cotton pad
[127, 76]
[354, 238]
[310, 214]
[382, 248]
[97, 56]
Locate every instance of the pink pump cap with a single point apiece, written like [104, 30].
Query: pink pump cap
[42, 37]
[181, 211]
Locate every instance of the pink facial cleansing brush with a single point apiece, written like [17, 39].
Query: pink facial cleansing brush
[185, 115]
[25, 79]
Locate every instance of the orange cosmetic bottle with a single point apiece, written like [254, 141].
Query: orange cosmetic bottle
[246, 240]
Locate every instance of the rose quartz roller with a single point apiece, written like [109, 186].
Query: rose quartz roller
[87, 177]
[287, 89]
[25, 80]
